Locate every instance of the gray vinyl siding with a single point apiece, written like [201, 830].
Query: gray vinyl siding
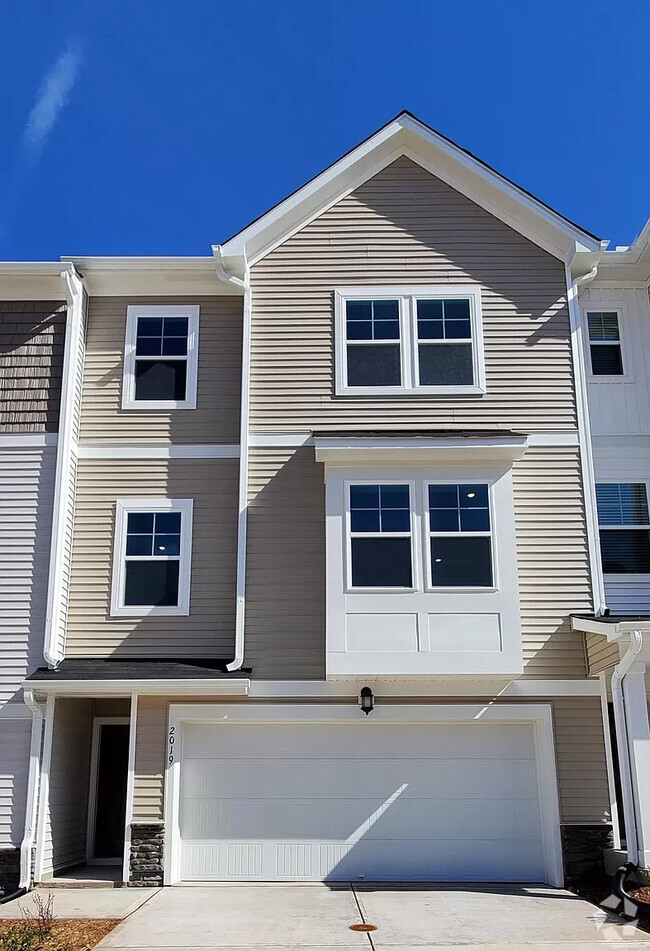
[32, 335]
[26, 504]
[65, 830]
[285, 568]
[15, 737]
[208, 631]
[601, 654]
[216, 417]
[285, 587]
[403, 227]
[579, 750]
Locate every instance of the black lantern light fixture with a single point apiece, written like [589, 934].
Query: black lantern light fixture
[366, 700]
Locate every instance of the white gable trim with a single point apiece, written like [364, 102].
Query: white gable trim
[407, 136]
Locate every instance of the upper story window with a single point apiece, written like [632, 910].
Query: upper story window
[151, 561]
[380, 536]
[160, 357]
[460, 539]
[605, 343]
[417, 341]
[624, 527]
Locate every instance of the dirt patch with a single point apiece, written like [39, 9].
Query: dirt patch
[78, 934]
[641, 894]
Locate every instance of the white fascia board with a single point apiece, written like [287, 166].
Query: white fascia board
[373, 451]
[498, 688]
[613, 631]
[407, 136]
[120, 688]
[160, 276]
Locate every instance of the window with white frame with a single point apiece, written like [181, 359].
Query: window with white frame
[624, 523]
[415, 341]
[161, 357]
[380, 536]
[152, 555]
[605, 343]
[460, 538]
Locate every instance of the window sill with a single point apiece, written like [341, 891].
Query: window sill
[157, 405]
[137, 611]
[403, 391]
[609, 378]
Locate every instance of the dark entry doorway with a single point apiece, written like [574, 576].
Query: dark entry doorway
[110, 761]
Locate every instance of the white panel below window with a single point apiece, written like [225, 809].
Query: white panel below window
[464, 632]
[382, 632]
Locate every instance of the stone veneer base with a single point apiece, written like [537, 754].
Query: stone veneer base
[146, 860]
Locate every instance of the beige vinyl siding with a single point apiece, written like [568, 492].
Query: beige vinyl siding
[405, 226]
[285, 589]
[601, 654]
[285, 568]
[32, 336]
[216, 417]
[208, 631]
[65, 831]
[553, 561]
[579, 748]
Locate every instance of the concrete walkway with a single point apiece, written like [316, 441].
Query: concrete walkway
[83, 902]
[318, 917]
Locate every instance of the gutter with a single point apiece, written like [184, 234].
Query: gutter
[618, 698]
[64, 476]
[584, 431]
[244, 444]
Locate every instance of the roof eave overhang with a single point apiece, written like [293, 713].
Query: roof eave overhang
[463, 172]
[232, 687]
[151, 276]
[612, 630]
[372, 451]
[31, 280]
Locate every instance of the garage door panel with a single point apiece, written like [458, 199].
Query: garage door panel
[323, 741]
[430, 802]
[480, 779]
[353, 819]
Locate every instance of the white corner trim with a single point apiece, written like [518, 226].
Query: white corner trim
[143, 451]
[123, 508]
[133, 313]
[44, 792]
[64, 479]
[130, 787]
[33, 780]
[27, 440]
[586, 448]
[340, 714]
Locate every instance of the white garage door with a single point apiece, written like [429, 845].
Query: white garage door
[348, 802]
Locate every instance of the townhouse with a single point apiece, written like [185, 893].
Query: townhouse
[325, 575]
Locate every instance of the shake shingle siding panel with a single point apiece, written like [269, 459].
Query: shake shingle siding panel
[404, 226]
[216, 417]
[32, 335]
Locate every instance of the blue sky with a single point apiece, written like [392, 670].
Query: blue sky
[142, 127]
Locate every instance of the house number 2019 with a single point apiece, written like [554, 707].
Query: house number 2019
[172, 740]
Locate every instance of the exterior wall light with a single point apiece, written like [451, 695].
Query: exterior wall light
[367, 700]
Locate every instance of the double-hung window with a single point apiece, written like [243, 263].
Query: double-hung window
[380, 536]
[151, 566]
[415, 341]
[460, 539]
[161, 357]
[624, 523]
[605, 343]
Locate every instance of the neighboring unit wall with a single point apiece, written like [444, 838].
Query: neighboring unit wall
[405, 226]
[31, 358]
[216, 418]
[601, 653]
[65, 828]
[208, 631]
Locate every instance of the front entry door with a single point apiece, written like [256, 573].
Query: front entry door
[112, 767]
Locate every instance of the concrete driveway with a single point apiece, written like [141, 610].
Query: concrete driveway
[407, 918]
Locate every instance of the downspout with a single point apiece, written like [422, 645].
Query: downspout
[73, 290]
[27, 843]
[618, 699]
[584, 432]
[244, 441]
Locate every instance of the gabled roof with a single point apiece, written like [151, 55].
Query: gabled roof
[407, 135]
